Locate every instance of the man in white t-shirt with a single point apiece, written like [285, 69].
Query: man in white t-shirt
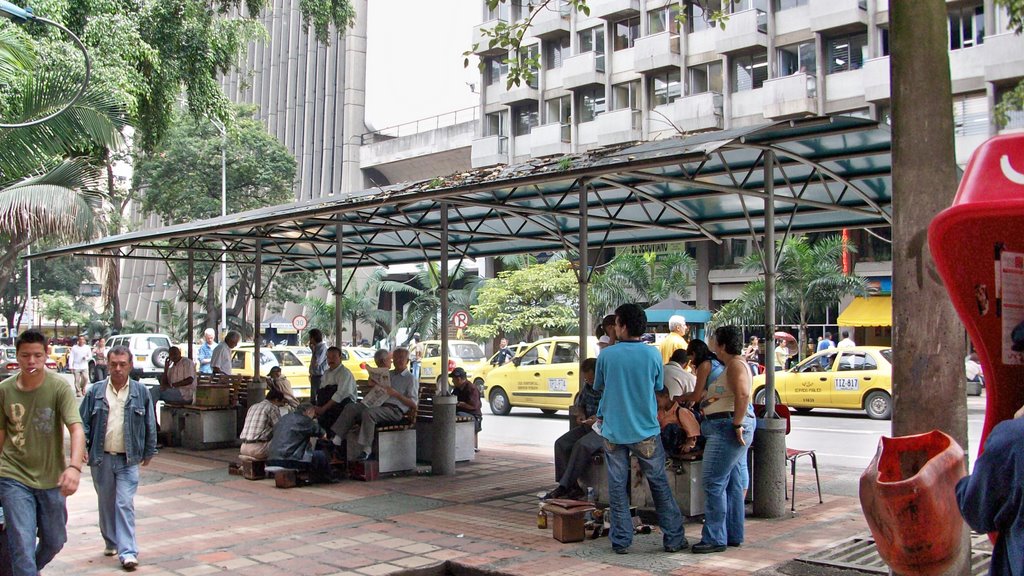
[846, 342]
[677, 380]
[78, 360]
[221, 359]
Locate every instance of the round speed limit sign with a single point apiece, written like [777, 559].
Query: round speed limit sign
[460, 319]
[300, 322]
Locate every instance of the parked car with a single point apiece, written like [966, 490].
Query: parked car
[59, 356]
[481, 378]
[149, 352]
[9, 362]
[292, 368]
[858, 378]
[545, 375]
[357, 360]
[461, 354]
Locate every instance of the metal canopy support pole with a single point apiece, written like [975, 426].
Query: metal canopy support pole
[443, 457]
[584, 278]
[256, 316]
[770, 437]
[190, 298]
[339, 285]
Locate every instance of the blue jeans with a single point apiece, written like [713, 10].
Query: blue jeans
[724, 477]
[115, 482]
[32, 513]
[651, 456]
[172, 395]
[414, 367]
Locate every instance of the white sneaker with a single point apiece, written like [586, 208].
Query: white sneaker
[129, 563]
[336, 440]
[110, 551]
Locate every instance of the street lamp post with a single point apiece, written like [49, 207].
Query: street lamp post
[223, 212]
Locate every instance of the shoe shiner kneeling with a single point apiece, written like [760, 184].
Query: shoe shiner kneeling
[290, 445]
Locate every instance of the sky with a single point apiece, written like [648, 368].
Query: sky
[414, 59]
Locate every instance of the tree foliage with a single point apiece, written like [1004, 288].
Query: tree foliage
[526, 302]
[810, 278]
[1012, 103]
[644, 278]
[59, 306]
[423, 313]
[358, 304]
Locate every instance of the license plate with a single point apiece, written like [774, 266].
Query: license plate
[847, 384]
[556, 384]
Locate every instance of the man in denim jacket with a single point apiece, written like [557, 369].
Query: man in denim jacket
[120, 434]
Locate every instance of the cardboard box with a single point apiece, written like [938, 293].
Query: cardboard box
[212, 396]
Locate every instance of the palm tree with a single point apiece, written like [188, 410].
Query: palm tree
[646, 278]
[423, 313]
[810, 278]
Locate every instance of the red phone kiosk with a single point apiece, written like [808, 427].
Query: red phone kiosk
[978, 247]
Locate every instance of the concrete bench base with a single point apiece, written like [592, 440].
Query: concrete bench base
[465, 437]
[395, 450]
[684, 478]
[198, 428]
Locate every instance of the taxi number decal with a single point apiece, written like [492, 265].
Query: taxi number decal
[556, 385]
[428, 371]
[847, 384]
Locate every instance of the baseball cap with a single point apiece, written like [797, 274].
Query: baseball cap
[458, 373]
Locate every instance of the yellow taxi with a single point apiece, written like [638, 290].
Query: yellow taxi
[545, 375]
[461, 354]
[355, 359]
[292, 368]
[516, 349]
[858, 378]
[59, 354]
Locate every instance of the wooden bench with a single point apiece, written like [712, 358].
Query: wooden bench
[394, 445]
[465, 429]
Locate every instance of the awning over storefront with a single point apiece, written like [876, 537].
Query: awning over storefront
[873, 311]
[672, 306]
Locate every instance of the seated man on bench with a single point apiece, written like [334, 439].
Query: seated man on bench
[178, 382]
[290, 445]
[259, 425]
[468, 396]
[402, 395]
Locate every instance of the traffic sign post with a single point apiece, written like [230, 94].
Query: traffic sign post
[300, 322]
[461, 319]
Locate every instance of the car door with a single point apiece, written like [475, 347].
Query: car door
[809, 384]
[530, 386]
[856, 372]
[430, 363]
[560, 376]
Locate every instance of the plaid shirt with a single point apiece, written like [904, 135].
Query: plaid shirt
[259, 422]
[588, 400]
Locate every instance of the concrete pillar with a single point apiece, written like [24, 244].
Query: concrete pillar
[191, 300]
[702, 284]
[443, 457]
[355, 99]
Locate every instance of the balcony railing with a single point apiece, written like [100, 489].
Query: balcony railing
[423, 125]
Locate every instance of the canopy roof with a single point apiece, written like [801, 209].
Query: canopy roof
[661, 312]
[829, 173]
[873, 311]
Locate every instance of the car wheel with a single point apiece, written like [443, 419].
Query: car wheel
[479, 383]
[549, 411]
[499, 403]
[159, 357]
[760, 396]
[878, 405]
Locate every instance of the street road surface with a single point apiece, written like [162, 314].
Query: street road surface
[841, 438]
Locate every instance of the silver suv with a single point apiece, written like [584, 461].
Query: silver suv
[149, 352]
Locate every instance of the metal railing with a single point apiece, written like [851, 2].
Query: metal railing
[423, 125]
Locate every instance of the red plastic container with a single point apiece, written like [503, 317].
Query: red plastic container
[978, 247]
[909, 500]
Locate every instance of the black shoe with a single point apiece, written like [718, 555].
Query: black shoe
[702, 548]
[558, 492]
[576, 493]
[620, 550]
[673, 549]
[735, 544]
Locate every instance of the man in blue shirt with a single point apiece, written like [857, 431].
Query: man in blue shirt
[826, 344]
[628, 374]
[205, 354]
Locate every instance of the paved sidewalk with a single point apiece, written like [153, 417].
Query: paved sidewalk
[193, 518]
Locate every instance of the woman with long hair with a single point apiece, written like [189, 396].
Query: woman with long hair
[729, 429]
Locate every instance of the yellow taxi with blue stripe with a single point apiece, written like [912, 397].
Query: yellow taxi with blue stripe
[857, 378]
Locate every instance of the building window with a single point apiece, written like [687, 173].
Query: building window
[883, 41]
[1014, 118]
[663, 19]
[797, 58]
[558, 110]
[846, 52]
[966, 26]
[698, 17]
[737, 6]
[626, 95]
[749, 71]
[525, 117]
[705, 78]
[494, 69]
[591, 40]
[626, 32]
[555, 52]
[666, 87]
[529, 61]
[787, 4]
[499, 12]
[494, 124]
[970, 115]
[592, 103]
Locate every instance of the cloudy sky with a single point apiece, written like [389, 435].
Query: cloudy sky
[414, 59]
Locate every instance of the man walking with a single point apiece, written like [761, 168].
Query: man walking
[220, 360]
[628, 374]
[120, 433]
[205, 354]
[317, 364]
[34, 478]
[402, 395]
[78, 360]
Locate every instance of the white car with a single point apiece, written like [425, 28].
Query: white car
[149, 352]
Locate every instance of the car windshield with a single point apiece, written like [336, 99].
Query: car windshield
[887, 354]
[466, 351]
[362, 353]
[10, 353]
[286, 358]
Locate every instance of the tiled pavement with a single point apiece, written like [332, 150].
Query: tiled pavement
[193, 518]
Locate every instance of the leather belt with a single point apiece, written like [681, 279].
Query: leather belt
[718, 415]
